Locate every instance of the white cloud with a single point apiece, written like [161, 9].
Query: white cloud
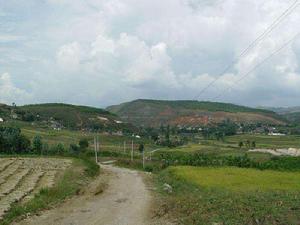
[69, 56]
[102, 44]
[9, 92]
[115, 50]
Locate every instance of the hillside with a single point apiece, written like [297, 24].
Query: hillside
[59, 116]
[283, 110]
[292, 114]
[156, 112]
[293, 117]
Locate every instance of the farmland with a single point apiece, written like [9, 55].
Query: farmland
[238, 179]
[260, 188]
[231, 196]
[21, 178]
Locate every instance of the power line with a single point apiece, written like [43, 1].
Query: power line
[277, 21]
[257, 66]
[269, 29]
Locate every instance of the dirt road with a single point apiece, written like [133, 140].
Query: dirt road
[125, 201]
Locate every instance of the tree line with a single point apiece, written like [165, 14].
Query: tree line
[12, 141]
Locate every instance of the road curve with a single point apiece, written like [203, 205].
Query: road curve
[126, 201]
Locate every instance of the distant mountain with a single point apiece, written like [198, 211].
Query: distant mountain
[292, 114]
[63, 115]
[283, 110]
[144, 112]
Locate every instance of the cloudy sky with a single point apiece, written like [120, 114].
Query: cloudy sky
[102, 52]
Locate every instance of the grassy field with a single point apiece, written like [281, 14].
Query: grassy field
[229, 147]
[230, 196]
[238, 179]
[266, 141]
[66, 137]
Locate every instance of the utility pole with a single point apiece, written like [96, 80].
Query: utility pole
[132, 150]
[144, 159]
[96, 148]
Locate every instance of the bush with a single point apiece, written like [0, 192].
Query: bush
[37, 144]
[83, 144]
[12, 141]
[74, 149]
[58, 149]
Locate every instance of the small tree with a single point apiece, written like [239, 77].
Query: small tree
[141, 148]
[37, 144]
[248, 145]
[253, 144]
[23, 144]
[241, 144]
[74, 149]
[83, 144]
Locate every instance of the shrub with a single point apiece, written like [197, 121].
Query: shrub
[74, 149]
[37, 144]
[12, 141]
[83, 144]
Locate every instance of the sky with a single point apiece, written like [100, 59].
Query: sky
[104, 52]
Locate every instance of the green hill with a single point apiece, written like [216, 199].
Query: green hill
[58, 116]
[292, 114]
[156, 112]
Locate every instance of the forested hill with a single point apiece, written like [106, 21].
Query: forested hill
[155, 112]
[63, 115]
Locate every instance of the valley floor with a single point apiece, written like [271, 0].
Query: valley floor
[125, 201]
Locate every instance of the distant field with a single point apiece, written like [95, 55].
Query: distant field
[230, 145]
[266, 141]
[239, 179]
[67, 137]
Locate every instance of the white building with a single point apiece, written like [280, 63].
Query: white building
[276, 134]
[1, 120]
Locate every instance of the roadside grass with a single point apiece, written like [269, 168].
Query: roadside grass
[201, 196]
[70, 183]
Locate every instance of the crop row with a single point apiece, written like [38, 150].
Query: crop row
[22, 178]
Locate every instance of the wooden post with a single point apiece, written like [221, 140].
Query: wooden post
[124, 147]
